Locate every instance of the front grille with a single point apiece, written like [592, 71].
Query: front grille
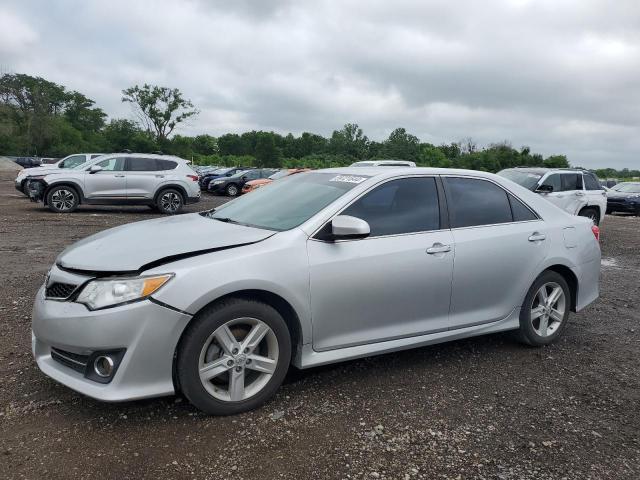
[60, 290]
[72, 360]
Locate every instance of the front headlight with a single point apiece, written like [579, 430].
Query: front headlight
[109, 292]
[218, 182]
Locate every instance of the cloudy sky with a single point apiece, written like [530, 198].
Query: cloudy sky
[561, 76]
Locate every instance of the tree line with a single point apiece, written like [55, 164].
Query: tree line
[41, 118]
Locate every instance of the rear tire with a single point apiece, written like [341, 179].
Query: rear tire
[232, 190]
[63, 199]
[545, 310]
[216, 353]
[591, 213]
[169, 201]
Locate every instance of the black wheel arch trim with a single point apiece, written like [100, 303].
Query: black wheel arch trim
[64, 183]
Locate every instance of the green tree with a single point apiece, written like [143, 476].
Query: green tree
[160, 109]
[401, 145]
[556, 161]
[350, 140]
[266, 152]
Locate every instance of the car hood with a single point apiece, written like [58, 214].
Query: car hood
[142, 245]
[30, 172]
[621, 195]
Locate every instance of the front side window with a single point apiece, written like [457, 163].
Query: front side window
[141, 164]
[473, 202]
[554, 181]
[406, 205]
[112, 164]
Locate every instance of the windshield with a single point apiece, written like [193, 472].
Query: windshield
[288, 203]
[528, 180]
[628, 187]
[280, 174]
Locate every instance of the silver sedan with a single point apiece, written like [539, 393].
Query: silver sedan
[315, 268]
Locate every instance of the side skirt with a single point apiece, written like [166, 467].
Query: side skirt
[307, 357]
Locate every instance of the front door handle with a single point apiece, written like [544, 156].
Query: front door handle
[580, 194]
[159, 176]
[119, 176]
[438, 248]
[537, 237]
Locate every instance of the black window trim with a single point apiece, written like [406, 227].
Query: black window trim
[444, 217]
[506, 190]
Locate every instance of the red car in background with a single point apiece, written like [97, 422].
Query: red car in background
[261, 182]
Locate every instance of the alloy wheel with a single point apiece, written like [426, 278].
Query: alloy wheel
[170, 202]
[548, 308]
[63, 199]
[238, 359]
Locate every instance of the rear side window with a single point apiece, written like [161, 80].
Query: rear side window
[406, 205]
[474, 202]
[571, 181]
[521, 213]
[165, 164]
[591, 182]
[136, 164]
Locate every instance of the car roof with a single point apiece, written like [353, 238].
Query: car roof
[402, 170]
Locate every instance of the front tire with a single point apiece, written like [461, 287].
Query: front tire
[545, 311]
[234, 356]
[63, 199]
[169, 201]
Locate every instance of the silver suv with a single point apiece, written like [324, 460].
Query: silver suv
[160, 181]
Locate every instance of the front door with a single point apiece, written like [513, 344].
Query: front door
[394, 283]
[109, 182]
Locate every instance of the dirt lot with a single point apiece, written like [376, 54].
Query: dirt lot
[479, 408]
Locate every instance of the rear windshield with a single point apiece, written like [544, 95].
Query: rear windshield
[528, 180]
[287, 203]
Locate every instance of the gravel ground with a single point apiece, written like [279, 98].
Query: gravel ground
[479, 408]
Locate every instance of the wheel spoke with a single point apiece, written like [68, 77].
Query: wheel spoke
[542, 295]
[536, 312]
[544, 323]
[554, 297]
[226, 339]
[261, 364]
[215, 368]
[236, 385]
[556, 315]
[255, 336]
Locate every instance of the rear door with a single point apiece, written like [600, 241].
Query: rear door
[499, 244]
[142, 177]
[109, 182]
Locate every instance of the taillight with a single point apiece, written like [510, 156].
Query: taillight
[596, 231]
[193, 177]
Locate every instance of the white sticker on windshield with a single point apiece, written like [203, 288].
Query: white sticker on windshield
[348, 179]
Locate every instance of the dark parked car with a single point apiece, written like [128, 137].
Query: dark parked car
[232, 185]
[626, 198]
[220, 172]
[28, 162]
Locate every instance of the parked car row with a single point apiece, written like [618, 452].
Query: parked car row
[624, 198]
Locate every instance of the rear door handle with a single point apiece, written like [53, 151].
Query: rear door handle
[438, 248]
[119, 176]
[580, 194]
[159, 176]
[537, 237]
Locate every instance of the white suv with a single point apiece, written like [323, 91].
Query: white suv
[576, 191]
[160, 181]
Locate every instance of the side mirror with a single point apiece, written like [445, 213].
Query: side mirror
[346, 226]
[544, 189]
[61, 165]
[95, 169]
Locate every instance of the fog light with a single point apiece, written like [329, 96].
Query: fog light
[103, 366]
